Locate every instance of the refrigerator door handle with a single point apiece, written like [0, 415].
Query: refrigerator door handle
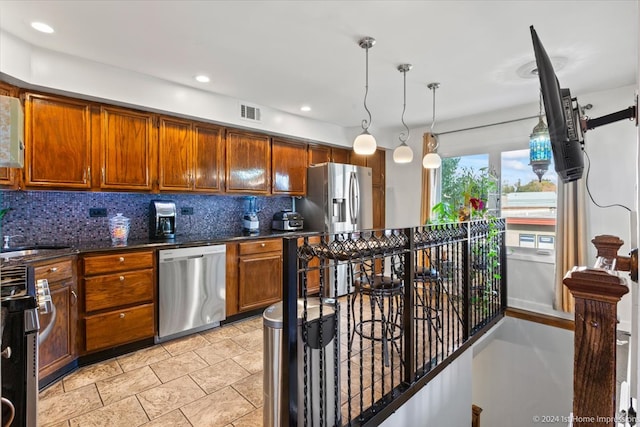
[354, 196]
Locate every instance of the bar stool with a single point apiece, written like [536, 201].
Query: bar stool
[386, 299]
[427, 285]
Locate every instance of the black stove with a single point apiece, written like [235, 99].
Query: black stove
[19, 347]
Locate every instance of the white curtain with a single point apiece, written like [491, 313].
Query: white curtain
[571, 238]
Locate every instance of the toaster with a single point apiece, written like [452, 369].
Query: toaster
[287, 220]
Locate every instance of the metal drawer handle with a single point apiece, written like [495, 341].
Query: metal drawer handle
[122, 278]
[75, 297]
[262, 245]
[53, 269]
[121, 259]
[122, 315]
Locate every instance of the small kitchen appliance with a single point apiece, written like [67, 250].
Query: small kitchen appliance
[287, 220]
[162, 220]
[250, 222]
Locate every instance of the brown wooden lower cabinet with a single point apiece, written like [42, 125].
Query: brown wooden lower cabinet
[58, 348]
[254, 275]
[119, 296]
[119, 327]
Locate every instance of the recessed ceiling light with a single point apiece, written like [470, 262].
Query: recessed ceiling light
[42, 27]
[305, 108]
[202, 78]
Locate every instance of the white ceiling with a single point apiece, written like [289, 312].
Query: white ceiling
[284, 54]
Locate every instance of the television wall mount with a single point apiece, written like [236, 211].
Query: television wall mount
[630, 113]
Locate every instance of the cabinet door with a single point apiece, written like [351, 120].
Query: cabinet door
[248, 162]
[318, 154]
[6, 174]
[175, 155]
[59, 347]
[377, 164]
[58, 142]
[378, 195]
[127, 149]
[340, 155]
[118, 327]
[358, 159]
[208, 158]
[288, 167]
[260, 280]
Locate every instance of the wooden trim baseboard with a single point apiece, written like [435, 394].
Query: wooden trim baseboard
[545, 319]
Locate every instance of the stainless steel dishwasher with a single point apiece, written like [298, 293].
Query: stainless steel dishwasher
[191, 290]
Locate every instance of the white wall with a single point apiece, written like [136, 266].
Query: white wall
[525, 370]
[444, 401]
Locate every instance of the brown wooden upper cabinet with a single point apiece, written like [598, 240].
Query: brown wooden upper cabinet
[208, 157]
[175, 147]
[7, 175]
[376, 162]
[248, 166]
[319, 154]
[190, 156]
[127, 145]
[340, 155]
[58, 142]
[288, 167]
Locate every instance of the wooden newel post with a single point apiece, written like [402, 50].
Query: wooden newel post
[596, 294]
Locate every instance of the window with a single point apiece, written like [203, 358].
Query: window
[528, 205]
[454, 174]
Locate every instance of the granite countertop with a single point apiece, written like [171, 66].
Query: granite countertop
[57, 249]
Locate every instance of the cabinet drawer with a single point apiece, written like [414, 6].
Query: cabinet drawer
[119, 327]
[122, 261]
[260, 246]
[113, 290]
[55, 271]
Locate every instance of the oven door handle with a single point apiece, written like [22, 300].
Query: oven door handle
[46, 331]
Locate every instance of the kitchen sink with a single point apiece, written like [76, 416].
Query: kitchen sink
[28, 250]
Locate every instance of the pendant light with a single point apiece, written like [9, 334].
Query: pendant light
[403, 153]
[365, 143]
[540, 147]
[432, 160]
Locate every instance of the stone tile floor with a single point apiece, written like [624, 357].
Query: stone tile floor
[212, 378]
[208, 379]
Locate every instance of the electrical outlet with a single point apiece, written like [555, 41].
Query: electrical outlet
[97, 212]
[186, 211]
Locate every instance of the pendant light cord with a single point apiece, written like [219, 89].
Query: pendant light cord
[365, 123]
[433, 117]
[404, 137]
[433, 87]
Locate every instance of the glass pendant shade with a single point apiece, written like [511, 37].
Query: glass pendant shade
[540, 149]
[403, 154]
[364, 144]
[431, 161]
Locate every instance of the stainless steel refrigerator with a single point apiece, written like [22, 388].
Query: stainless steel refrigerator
[339, 200]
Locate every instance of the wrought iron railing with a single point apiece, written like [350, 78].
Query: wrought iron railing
[396, 307]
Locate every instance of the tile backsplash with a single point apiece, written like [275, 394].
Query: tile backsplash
[63, 216]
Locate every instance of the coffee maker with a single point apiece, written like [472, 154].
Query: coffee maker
[162, 220]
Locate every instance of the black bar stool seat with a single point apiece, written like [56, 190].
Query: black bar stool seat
[386, 297]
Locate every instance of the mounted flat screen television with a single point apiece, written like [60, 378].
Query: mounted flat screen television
[562, 117]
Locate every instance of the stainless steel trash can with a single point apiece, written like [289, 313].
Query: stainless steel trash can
[273, 364]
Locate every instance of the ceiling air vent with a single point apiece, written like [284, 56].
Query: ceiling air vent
[250, 112]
